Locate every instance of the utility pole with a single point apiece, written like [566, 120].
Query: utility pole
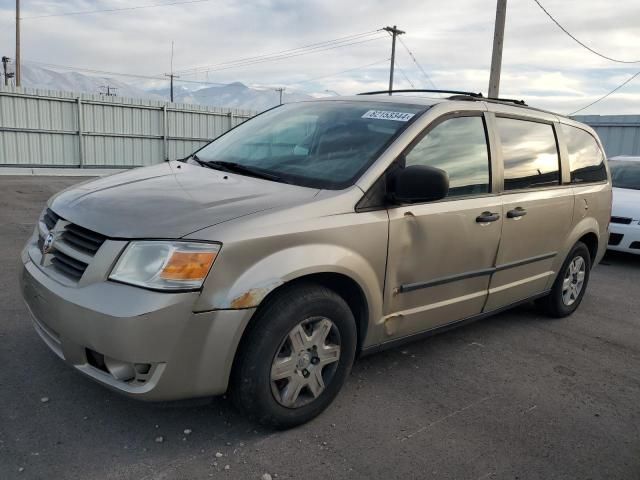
[109, 91]
[394, 33]
[280, 90]
[496, 56]
[171, 75]
[17, 43]
[5, 61]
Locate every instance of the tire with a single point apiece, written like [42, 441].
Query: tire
[293, 320]
[560, 302]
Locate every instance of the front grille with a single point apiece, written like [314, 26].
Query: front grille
[635, 246]
[615, 239]
[73, 248]
[67, 265]
[50, 218]
[83, 239]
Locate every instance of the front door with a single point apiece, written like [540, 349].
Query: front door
[441, 254]
[538, 212]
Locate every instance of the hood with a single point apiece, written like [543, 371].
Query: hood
[170, 200]
[626, 203]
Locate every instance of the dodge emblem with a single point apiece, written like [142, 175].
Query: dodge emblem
[47, 245]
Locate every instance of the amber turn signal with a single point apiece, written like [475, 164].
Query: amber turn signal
[188, 265]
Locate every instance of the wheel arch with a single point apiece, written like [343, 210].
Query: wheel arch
[590, 239]
[343, 285]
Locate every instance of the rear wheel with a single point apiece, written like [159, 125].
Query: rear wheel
[296, 356]
[570, 285]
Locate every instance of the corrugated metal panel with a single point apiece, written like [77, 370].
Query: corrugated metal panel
[41, 128]
[620, 134]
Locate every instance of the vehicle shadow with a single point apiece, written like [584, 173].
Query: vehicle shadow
[615, 258]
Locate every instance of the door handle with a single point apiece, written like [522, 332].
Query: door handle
[486, 217]
[516, 213]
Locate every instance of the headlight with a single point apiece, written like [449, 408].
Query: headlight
[165, 265]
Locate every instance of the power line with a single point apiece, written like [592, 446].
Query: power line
[582, 44]
[111, 10]
[282, 57]
[404, 75]
[118, 74]
[311, 48]
[341, 72]
[610, 93]
[285, 57]
[415, 60]
[317, 78]
[163, 78]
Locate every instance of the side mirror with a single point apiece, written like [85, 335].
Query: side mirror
[419, 183]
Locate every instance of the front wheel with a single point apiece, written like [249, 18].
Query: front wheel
[570, 285]
[296, 356]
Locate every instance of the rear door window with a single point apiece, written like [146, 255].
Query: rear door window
[459, 147]
[586, 159]
[530, 154]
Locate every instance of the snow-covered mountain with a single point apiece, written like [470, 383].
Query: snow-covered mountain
[35, 76]
[234, 95]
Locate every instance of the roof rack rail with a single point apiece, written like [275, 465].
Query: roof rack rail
[508, 100]
[456, 95]
[455, 92]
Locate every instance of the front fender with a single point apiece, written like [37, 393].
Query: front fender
[268, 273]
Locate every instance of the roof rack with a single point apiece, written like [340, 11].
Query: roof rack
[455, 92]
[508, 100]
[456, 95]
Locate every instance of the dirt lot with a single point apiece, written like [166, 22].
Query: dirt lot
[517, 396]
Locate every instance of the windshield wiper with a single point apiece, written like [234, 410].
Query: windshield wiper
[196, 159]
[243, 170]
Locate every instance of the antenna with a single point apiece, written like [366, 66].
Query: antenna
[280, 90]
[171, 75]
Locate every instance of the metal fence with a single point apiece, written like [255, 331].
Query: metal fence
[50, 128]
[620, 134]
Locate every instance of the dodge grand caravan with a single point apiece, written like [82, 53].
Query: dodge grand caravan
[265, 262]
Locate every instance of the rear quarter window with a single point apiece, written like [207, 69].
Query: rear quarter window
[586, 159]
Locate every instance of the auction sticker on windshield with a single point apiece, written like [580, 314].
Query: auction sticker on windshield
[385, 115]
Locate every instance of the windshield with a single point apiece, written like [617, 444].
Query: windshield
[625, 174]
[317, 144]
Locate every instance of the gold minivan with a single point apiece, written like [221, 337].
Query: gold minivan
[267, 261]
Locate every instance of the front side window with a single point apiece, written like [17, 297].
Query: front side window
[325, 144]
[586, 160]
[530, 154]
[459, 147]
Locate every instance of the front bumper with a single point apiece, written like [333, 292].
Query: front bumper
[109, 332]
[625, 238]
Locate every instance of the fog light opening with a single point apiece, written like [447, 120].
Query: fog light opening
[120, 370]
[96, 360]
[142, 368]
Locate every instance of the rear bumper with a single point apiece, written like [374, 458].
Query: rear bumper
[625, 238]
[147, 345]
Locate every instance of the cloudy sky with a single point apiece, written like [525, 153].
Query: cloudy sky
[451, 40]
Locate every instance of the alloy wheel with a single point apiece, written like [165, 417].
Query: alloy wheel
[305, 362]
[573, 281]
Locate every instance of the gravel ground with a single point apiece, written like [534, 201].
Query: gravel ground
[516, 396]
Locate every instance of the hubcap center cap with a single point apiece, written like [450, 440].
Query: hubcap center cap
[304, 360]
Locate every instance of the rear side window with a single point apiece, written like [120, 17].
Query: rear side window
[530, 154]
[586, 160]
[459, 147]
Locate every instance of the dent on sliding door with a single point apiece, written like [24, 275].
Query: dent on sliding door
[441, 254]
